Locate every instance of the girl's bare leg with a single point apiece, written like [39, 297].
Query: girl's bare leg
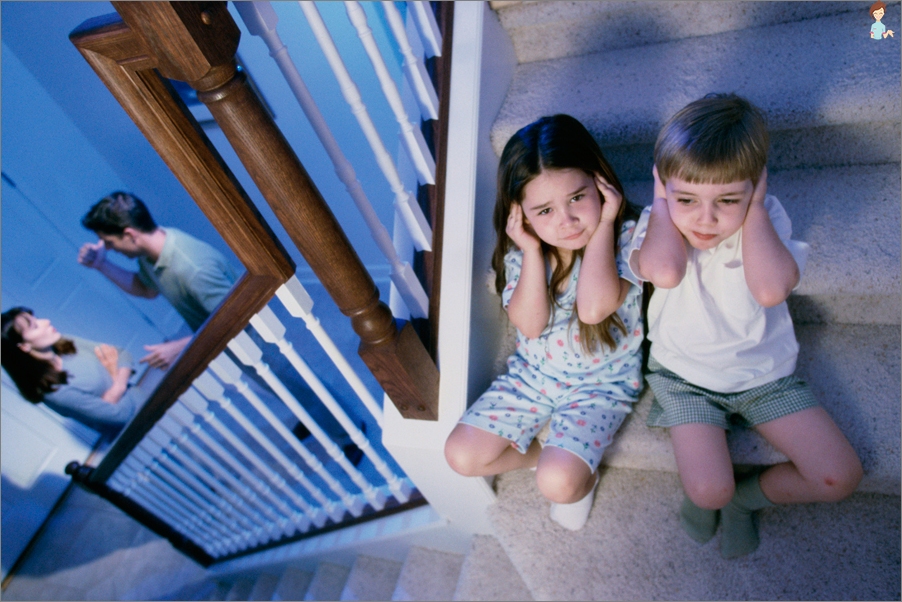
[474, 452]
[566, 480]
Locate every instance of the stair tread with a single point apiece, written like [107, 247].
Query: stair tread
[328, 582]
[487, 574]
[853, 371]
[548, 30]
[632, 547]
[813, 68]
[371, 578]
[428, 575]
[293, 584]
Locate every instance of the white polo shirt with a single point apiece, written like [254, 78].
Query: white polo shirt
[709, 329]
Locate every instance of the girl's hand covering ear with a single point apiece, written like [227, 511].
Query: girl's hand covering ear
[519, 230]
[610, 199]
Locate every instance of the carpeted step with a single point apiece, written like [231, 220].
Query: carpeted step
[853, 371]
[428, 575]
[632, 547]
[842, 145]
[850, 216]
[549, 30]
[487, 574]
[293, 584]
[328, 582]
[371, 578]
[812, 68]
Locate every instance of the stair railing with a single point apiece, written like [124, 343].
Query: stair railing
[215, 490]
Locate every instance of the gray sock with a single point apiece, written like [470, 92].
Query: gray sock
[699, 523]
[740, 535]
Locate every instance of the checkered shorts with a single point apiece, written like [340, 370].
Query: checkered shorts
[680, 402]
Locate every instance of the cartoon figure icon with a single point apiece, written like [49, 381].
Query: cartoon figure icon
[878, 29]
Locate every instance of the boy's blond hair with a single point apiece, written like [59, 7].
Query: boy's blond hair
[717, 139]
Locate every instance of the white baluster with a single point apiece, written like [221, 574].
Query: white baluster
[207, 512]
[427, 27]
[132, 489]
[299, 304]
[281, 524]
[195, 402]
[212, 390]
[405, 201]
[273, 331]
[182, 417]
[414, 68]
[229, 372]
[411, 136]
[249, 354]
[153, 486]
[261, 20]
[161, 446]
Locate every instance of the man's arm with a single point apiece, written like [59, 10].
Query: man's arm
[94, 256]
[771, 271]
[662, 257]
[162, 355]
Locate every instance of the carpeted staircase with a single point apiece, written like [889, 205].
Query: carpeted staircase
[832, 98]
[624, 68]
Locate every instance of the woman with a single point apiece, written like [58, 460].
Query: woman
[74, 377]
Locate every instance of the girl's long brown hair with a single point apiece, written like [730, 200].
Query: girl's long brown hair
[33, 377]
[554, 142]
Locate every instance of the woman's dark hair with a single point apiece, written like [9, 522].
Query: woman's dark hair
[34, 377]
[553, 142]
[114, 213]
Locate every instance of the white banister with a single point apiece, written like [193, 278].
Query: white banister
[414, 68]
[251, 355]
[195, 402]
[273, 331]
[227, 499]
[251, 534]
[405, 201]
[299, 304]
[410, 135]
[261, 21]
[427, 27]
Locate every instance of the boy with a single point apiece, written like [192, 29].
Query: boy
[718, 251]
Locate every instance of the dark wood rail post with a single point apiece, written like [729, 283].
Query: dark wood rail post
[196, 42]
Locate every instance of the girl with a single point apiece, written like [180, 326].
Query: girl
[561, 224]
[74, 377]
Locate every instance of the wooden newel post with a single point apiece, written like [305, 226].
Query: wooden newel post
[196, 42]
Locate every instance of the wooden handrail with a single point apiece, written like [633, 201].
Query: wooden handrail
[125, 64]
[196, 42]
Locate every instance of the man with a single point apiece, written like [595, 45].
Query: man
[193, 276]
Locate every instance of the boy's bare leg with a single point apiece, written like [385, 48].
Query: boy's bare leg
[474, 452]
[706, 472]
[822, 465]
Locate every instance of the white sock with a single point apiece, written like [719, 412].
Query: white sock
[574, 516]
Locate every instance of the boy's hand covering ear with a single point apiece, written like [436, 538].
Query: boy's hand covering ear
[660, 190]
[760, 190]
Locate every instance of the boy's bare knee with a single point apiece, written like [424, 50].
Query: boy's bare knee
[710, 495]
[841, 482]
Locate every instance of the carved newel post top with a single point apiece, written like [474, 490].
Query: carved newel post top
[194, 42]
